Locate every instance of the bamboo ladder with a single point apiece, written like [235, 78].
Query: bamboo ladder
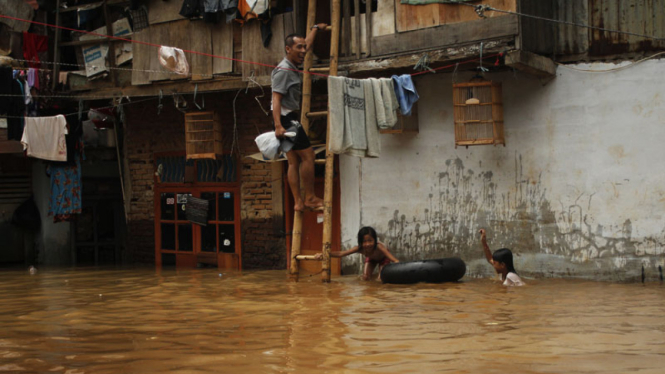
[305, 115]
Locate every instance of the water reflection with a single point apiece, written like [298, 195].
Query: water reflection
[143, 321]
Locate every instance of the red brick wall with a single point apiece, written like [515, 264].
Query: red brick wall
[147, 134]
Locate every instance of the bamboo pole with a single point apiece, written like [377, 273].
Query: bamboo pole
[328, 192]
[296, 235]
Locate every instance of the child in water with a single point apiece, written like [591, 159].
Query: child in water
[502, 261]
[375, 253]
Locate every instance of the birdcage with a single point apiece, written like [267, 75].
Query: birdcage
[478, 113]
[203, 135]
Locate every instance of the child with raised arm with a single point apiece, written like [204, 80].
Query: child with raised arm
[375, 253]
[502, 261]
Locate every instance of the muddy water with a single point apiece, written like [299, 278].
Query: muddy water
[141, 321]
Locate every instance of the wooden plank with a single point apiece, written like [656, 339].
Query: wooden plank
[180, 36]
[413, 17]
[200, 65]
[531, 63]
[160, 11]
[222, 45]
[356, 4]
[253, 50]
[141, 57]
[159, 34]
[11, 146]
[459, 33]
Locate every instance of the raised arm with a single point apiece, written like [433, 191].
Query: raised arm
[387, 253]
[486, 248]
[309, 40]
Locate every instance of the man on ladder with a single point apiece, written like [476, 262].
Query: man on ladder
[286, 92]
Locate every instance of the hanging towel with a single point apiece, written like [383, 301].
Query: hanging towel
[405, 92]
[385, 102]
[371, 129]
[44, 137]
[352, 124]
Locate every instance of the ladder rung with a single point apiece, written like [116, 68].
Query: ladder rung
[316, 70]
[307, 257]
[328, 28]
[320, 161]
[317, 114]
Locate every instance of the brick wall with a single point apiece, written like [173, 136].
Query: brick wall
[147, 133]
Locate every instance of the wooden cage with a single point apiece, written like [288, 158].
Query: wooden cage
[478, 113]
[203, 135]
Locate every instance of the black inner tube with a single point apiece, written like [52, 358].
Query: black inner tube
[441, 270]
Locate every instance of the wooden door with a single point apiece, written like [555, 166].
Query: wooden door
[312, 227]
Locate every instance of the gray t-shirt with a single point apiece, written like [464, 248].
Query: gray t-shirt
[288, 83]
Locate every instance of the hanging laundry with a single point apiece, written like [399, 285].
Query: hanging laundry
[33, 44]
[191, 9]
[65, 199]
[353, 128]
[405, 92]
[44, 137]
[33, 78]
[12, 105]
[385, 102]
[257, 9]
[228, 7]
[15, 123]
[174, 60]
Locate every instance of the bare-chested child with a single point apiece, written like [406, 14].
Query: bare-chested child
[375, 253]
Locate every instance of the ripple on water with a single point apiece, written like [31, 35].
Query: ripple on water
[257, 322]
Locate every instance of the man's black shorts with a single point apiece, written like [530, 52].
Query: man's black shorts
[291, 122]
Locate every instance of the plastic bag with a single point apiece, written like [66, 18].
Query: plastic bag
[268, 145]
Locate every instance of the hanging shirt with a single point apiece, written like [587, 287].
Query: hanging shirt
[44, 137]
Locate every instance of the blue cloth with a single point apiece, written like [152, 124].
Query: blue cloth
[65, 198]
[405, 92]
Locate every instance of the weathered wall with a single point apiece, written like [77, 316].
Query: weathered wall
[148, 133]
[576, 192]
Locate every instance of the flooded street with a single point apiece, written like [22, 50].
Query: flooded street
[143, 321]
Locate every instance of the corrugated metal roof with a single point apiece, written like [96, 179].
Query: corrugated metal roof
[636, 16]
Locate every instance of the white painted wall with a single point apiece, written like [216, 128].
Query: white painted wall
[578, 190]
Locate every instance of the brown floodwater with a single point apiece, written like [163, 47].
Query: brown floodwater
[196, 321]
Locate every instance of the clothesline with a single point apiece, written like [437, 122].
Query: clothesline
[106, 107]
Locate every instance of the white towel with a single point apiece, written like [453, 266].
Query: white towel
[44, 137]
[390, 104]
[353, 129]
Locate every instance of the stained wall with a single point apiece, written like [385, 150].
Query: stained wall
[576, 192]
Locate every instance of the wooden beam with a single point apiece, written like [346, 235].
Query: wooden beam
[169, 87]
[531, 63]
[409, 59]
[11, 146]
[446, 35]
